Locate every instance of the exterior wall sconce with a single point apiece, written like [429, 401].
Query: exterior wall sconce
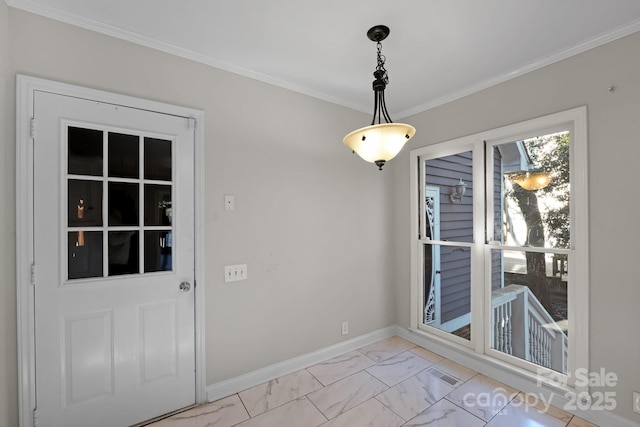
[457, 192]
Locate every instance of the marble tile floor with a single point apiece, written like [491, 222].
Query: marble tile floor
[390, 383]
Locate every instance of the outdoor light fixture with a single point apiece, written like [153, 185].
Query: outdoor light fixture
[380, 141]
[457, 192]
[532, 180]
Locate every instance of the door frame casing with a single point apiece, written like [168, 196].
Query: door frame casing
[26, 87]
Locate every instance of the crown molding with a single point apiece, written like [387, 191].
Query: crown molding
[140, 39]
[543, 62]
[38, 8]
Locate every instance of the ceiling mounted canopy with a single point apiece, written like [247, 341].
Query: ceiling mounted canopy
[381, 141]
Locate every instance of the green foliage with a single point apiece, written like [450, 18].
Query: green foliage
[551, 154]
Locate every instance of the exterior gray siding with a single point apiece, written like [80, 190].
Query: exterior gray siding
[498, 212]
[456, 225]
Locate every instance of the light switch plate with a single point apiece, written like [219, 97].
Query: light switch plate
[636, 402]
[233, 273]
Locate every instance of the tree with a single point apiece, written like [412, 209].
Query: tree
[549, 153]
[536, 266]
[555, 160]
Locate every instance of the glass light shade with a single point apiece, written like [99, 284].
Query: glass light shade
[379, 142]
[533, 180]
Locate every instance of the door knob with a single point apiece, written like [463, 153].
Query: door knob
[185, 286]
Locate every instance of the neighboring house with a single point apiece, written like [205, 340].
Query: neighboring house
[448, 294]
[448, 306]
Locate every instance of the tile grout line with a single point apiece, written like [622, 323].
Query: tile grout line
[389, 353]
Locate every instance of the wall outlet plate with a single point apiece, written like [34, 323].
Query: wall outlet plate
[636, 402]
[345, 328]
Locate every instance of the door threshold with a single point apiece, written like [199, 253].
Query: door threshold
[162, 417]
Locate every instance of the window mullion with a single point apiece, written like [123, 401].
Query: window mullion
[422, 214]
[538, 249]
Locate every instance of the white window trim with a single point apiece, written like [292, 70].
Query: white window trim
[418, 187]
[578, 316]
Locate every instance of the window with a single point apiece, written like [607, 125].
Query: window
[500, 256]
[119, 196]
[448, 229]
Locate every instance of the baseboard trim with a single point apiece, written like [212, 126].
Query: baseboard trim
[237, 384]
[460, 355]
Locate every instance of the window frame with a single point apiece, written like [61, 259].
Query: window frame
[460, 145]
[574, 120]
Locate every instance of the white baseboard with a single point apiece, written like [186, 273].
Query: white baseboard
[460, 355]
[234, 385]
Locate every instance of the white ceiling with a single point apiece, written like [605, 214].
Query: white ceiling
[438, 50]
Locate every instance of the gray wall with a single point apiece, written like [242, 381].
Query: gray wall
[614, 152]
[310, 221]
[8, 357]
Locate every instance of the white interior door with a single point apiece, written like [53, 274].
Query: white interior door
[114, 262]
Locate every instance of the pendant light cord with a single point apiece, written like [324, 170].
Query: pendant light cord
[379, 85]
[381, 61]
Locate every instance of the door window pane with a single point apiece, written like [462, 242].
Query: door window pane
[123, 252]
[157, 204]
[84, 203]
[84, 254]
[85, 151]
[124, 241]
[529, 314]
[124, 155]
[157, 159]
[123, 203]
[158, 246]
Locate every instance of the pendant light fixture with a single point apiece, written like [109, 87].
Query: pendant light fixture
[533, 180]
[380, 141]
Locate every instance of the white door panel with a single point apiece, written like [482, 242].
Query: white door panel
[114, 332]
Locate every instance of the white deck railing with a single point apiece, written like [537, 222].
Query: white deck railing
[522, 327]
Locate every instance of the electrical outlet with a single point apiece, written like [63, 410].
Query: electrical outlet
[233, 273]
[345, 328]
[636, 402]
